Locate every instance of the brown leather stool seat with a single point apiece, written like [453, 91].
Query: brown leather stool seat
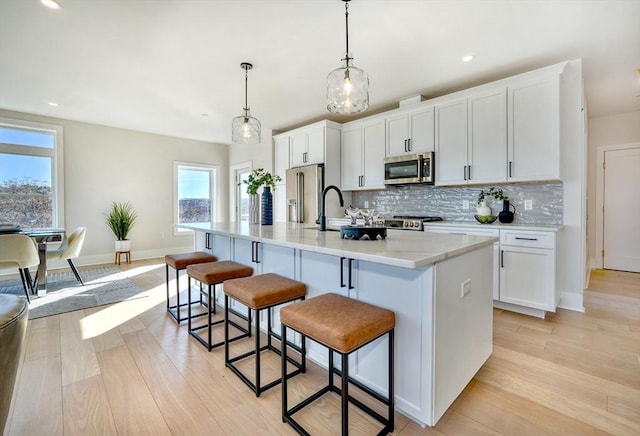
[180, 262]
[343, 325]
[212, 274]
[262, 292]
[13, 326]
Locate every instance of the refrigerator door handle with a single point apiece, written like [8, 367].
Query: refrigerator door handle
[300, 197]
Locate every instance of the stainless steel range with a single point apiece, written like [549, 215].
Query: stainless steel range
[409, 222]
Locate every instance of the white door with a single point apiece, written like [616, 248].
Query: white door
[240, 198]
[621, 236]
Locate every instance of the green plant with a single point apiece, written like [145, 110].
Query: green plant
[491, 192]
[259, 177]
[120, 219]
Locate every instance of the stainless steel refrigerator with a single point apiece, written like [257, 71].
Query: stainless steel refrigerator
[304, 190]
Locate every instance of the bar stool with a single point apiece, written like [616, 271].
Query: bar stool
[262, 292]
[343, 325]
[180, 262]
[212, 274]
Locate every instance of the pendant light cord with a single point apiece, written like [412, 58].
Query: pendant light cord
[246, 80]
[346, 21]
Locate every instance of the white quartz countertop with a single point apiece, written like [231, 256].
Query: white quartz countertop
[496, 224]
[402, 248]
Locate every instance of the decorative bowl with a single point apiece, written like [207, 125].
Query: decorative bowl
[485, 219]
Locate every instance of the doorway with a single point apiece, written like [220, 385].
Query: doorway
[239, 210]
[618, 207]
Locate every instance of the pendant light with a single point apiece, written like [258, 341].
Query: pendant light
[245, 129]
[347, 86]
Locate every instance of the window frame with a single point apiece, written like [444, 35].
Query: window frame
[213, 192]
[57, 156]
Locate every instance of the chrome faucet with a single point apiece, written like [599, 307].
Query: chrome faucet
[323, 214]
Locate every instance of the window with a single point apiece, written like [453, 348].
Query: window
[194, 193]
[31, 174]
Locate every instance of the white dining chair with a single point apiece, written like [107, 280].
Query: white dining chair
[70, 249]
[19, 251]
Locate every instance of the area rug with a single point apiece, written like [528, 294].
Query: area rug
[104, 285]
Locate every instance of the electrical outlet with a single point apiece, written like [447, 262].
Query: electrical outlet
[466, 288]
[465, 204]
[528, 204]
[366, 204]
[161, 235]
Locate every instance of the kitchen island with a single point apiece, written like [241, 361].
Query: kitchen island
[439, 286]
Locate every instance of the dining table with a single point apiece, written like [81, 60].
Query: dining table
[43, 236]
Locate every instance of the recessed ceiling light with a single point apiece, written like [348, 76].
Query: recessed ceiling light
[467, 58]
[51, 4]
[53, 103]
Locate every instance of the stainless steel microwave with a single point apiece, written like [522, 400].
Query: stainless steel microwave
[410, 168]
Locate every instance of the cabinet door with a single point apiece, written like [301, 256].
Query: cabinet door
[421, 131]
[534, 131]
[351, 158]
[451, 143]
[527, 277]
[298, 144]
[400, 290]
[373, 153]
[315, 146]
[397, 135]
[321, 273]
[488, 137]
[282, 157]
[278, 260]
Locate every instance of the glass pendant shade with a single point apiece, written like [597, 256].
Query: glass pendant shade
[347, 89]
[245, 129]
[347, 86]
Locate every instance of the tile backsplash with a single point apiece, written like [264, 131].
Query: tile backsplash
[447, 202]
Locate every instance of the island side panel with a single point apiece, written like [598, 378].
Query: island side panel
[463, 324]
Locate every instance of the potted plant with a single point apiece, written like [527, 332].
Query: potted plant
[483, 210]
[120, 219]
[260, 177]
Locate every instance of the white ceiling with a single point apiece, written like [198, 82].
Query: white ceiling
[157, 66]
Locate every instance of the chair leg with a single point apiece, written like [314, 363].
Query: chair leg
[75, 271]
[24, 284]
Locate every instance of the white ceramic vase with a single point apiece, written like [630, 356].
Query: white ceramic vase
[483, 209]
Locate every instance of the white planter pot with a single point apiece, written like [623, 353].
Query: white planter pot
[124, 245]
[483, 209]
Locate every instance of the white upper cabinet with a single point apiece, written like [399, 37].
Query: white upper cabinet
[471, 139]
[410, 132]
[487, 136]
[451, 142]
[534, 129]
[307, 146]
[363, 152]
[282, 156]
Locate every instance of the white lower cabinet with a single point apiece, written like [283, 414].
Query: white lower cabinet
[528, 269]
[524, 275]
[264, 258]
[425, 385]
[214, 244]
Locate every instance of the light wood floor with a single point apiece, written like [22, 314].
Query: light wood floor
[129, 369]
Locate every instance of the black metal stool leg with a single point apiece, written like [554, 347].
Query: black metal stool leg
[345, 394]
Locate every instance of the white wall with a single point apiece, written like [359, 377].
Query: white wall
[105, 164]
[611, 130]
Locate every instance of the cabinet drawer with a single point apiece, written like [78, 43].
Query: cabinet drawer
[462, 231]
[528, 239]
